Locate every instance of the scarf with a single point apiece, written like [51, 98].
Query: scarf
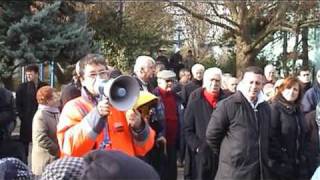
[48, 108]
[212, 98]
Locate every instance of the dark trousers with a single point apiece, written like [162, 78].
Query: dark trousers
[156, 158]
[207, 163]
[171, 163]
[12, 148]
[26, 148]
[189, 165]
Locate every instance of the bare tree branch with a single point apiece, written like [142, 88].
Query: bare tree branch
[202, 17]
[231, 6]
[310, 23]
[223, 16]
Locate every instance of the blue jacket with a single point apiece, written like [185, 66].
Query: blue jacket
[311, 98]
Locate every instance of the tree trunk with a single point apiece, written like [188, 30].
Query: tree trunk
[62, 77]
[305, 51]
[244, 58]
[285, 54]
[295, 51]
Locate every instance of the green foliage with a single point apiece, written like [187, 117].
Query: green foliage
[10, 13]
[139, 29]
[50, 35]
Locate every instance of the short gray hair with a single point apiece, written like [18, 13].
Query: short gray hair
[141, 62]
[196, 67]
[209, 72]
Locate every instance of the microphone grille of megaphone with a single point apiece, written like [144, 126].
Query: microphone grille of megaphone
[122, 92]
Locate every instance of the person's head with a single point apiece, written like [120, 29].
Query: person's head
[269, 72]
[252, 82]
[64, 168]
[112, 165]
[212, 80]
[184, 76]
[277, 85]
[161, 52]
[197, 71]
[159, 67]
[144, 68]
[232, 84]
[32, 72]
[145, 104]
[165, 79]
[290, 90]
[13, 168]
[48, 96]
[318, 76]
[304, 75]
[189, 52]
[93, 67]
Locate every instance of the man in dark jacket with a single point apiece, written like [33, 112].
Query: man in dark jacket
[312, 97]
[197, 73]
[162, 59]
[238, 131]
[196, 82]
[9, 148]
[197, 115]
[304, 76]
[27, 104]
[144, 71]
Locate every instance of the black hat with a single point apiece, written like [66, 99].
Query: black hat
[113, 165]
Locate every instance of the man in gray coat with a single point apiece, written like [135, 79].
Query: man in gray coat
[238, 131]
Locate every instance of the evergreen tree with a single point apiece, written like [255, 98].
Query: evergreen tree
[10, 13]
[51, 35]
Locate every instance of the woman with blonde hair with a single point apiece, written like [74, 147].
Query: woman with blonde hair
[45, 144]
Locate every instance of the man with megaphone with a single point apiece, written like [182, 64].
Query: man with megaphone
[96, 119]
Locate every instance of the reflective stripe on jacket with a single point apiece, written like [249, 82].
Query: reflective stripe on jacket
[76, 137]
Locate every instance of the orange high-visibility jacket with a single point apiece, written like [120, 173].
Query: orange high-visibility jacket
[76, 137]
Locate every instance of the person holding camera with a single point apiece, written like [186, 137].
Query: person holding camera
[88, 122]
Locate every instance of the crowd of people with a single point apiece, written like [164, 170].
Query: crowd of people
[212, 124]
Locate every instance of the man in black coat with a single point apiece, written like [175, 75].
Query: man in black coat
[27, 104]
[238, 131]
[9, 148]
[197, 115]
[196, 82]
[144, 71]
[197, 73]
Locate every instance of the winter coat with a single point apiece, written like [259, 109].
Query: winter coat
[188, 89]
[180, 113]
[7, 114]
[238, 133]
[313, 157]
[27, 105]
[45, 148]
[288, 145]
[81, 129]
[197, 116]
[311, 98]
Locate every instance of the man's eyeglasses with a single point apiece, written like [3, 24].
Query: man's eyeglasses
[102, 74]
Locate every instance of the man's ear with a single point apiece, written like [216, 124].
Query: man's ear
[142, 70]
